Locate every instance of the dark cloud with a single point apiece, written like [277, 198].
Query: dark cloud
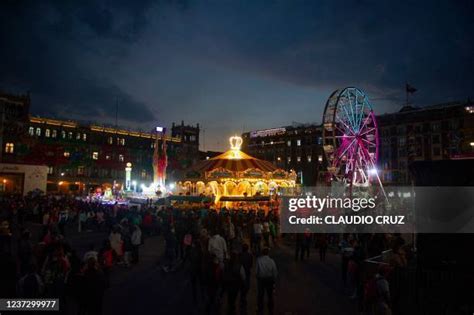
[47, 52]
[228, 64]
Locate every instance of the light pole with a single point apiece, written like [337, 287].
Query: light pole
[128, 172]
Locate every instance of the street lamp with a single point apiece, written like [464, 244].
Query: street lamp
[128, 172]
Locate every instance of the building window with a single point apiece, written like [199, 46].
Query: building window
[47, 133]
[80, 170]
[84, 136]
[107, 157]
[67, 154]
[63, 134]
[95, 155]
[54, 133]
[31, 131]
[436, 126]
[320, 158]
[298, 142]
[143, 174]
[436, 151]
[9, 147]
[401, 141]
[289, 159]
[309, 158]
[289, 143]
[436, 139]
[50, 170]
[121, 157]
[38, 132]
[70, 135]
[298, 158]
[110, 140]
[78, 136]
[121, 141]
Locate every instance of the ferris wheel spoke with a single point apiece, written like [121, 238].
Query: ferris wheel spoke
[366, 154]
[353, 116]
[348, 129]
[345, 150]
[369, 117]
[348, 100]
[349, 117]
[361, 114]
[369, 142]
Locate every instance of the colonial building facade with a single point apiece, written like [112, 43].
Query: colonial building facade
[439, 132]
[80, 156]
[298, 148]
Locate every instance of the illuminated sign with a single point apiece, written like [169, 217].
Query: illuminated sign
[267, 132]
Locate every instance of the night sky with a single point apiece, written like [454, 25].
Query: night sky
[231, 65]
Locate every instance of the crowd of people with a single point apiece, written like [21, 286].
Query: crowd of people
[223, 251]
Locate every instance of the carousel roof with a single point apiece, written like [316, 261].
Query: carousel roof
[234, 160]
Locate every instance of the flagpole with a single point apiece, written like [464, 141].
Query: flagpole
[406, 91]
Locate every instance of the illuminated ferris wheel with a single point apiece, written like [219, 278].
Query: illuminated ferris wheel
[350, 137]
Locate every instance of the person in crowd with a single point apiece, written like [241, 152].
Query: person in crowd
[136, 240]
[116, 242]
[218, 247]
[323, 246]
[266, 272]
[383, 292]
[266, 232]
[346, 250]
[307, 239]
[100, 218]
[196, 258]
[299, 239]
[170, 249]
[91, 253]
[45, 221]
[246, 259]
[55, 270]
[31, 285]
[147, 224]
[230, 232]
[214, 284]
[106, 260]
[234, 279]
[257, 236]
[398, 257]
[273, 231]
[93, 288]
[25, 251]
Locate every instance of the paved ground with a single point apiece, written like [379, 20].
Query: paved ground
[308, 287]
[302, 288]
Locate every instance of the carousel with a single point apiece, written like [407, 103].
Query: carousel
[236, 176]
